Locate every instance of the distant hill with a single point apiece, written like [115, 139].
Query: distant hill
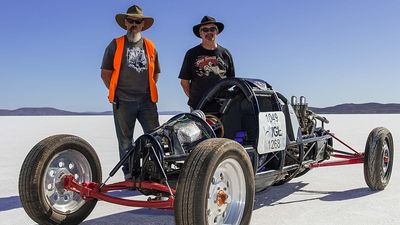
[348, 108]
[366, 108]
[47, 111]
[169, 112]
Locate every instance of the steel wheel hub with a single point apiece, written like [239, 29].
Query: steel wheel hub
[386, 159]
[68, 162]
[227, 194]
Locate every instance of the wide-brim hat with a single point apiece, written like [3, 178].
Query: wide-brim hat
[134, 12]
[207, 20]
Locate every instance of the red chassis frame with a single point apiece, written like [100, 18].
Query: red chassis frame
[348, 158]
[93, 190]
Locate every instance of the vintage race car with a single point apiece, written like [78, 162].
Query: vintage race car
[206, 165]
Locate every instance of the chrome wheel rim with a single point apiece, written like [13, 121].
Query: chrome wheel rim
[68, 162]
[227, 194]
[385, 159]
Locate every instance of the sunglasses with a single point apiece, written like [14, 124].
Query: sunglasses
[133, 21]
[209, 29]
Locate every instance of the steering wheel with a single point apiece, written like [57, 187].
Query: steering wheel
[216, 125]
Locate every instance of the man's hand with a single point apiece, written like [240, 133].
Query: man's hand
[155, 77]
[185, 86]
[106, 76]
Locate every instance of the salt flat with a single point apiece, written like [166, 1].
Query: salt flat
[334, 195]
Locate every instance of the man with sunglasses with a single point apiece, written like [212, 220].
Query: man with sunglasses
[205, 64]
[130, 70]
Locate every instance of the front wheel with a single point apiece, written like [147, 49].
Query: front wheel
[378, 158]
[216, 185]
[41, 187]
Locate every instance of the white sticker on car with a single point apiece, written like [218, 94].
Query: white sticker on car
[272, 132]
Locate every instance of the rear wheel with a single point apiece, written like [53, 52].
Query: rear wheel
[378, 159]
[41, 187]
[292, 157]
[216, 185]
[302, 172]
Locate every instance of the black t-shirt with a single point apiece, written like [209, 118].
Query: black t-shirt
[204, 68]
[133, 81]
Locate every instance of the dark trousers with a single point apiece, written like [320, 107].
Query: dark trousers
[125, 115]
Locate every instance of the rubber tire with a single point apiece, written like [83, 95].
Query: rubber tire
[32, 172]
[306, 170]
[195, 178]
[373, 158]
[287, 178]
[290, 176]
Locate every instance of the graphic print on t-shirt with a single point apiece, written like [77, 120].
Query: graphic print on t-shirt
[136, 59]
[210, 65]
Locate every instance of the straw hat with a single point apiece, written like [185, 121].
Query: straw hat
[134, 12]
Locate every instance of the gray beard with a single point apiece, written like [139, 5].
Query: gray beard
[133, 37]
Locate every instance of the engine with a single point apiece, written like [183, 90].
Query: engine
[161, 152]
[307, 118]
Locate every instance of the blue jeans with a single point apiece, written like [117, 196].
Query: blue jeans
[125, 115]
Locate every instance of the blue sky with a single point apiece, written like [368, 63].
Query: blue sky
[332, 52]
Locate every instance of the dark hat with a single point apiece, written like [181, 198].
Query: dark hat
[135, 12]
[207, 20]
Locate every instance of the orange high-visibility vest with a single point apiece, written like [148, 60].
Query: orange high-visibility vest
[151, 59]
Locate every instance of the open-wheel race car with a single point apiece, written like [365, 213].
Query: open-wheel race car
[206, 165]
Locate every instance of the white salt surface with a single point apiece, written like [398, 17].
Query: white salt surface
[333, 195]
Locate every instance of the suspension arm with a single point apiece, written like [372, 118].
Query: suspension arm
[92, 190]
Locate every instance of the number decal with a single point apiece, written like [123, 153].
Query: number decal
[272, 132]
[274, 144]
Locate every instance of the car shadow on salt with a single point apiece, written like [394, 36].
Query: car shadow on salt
[9, 203]
[270, 197]
[342, 195]
[274, 195]
[136, 217]
[166, 217]
[13, 202]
